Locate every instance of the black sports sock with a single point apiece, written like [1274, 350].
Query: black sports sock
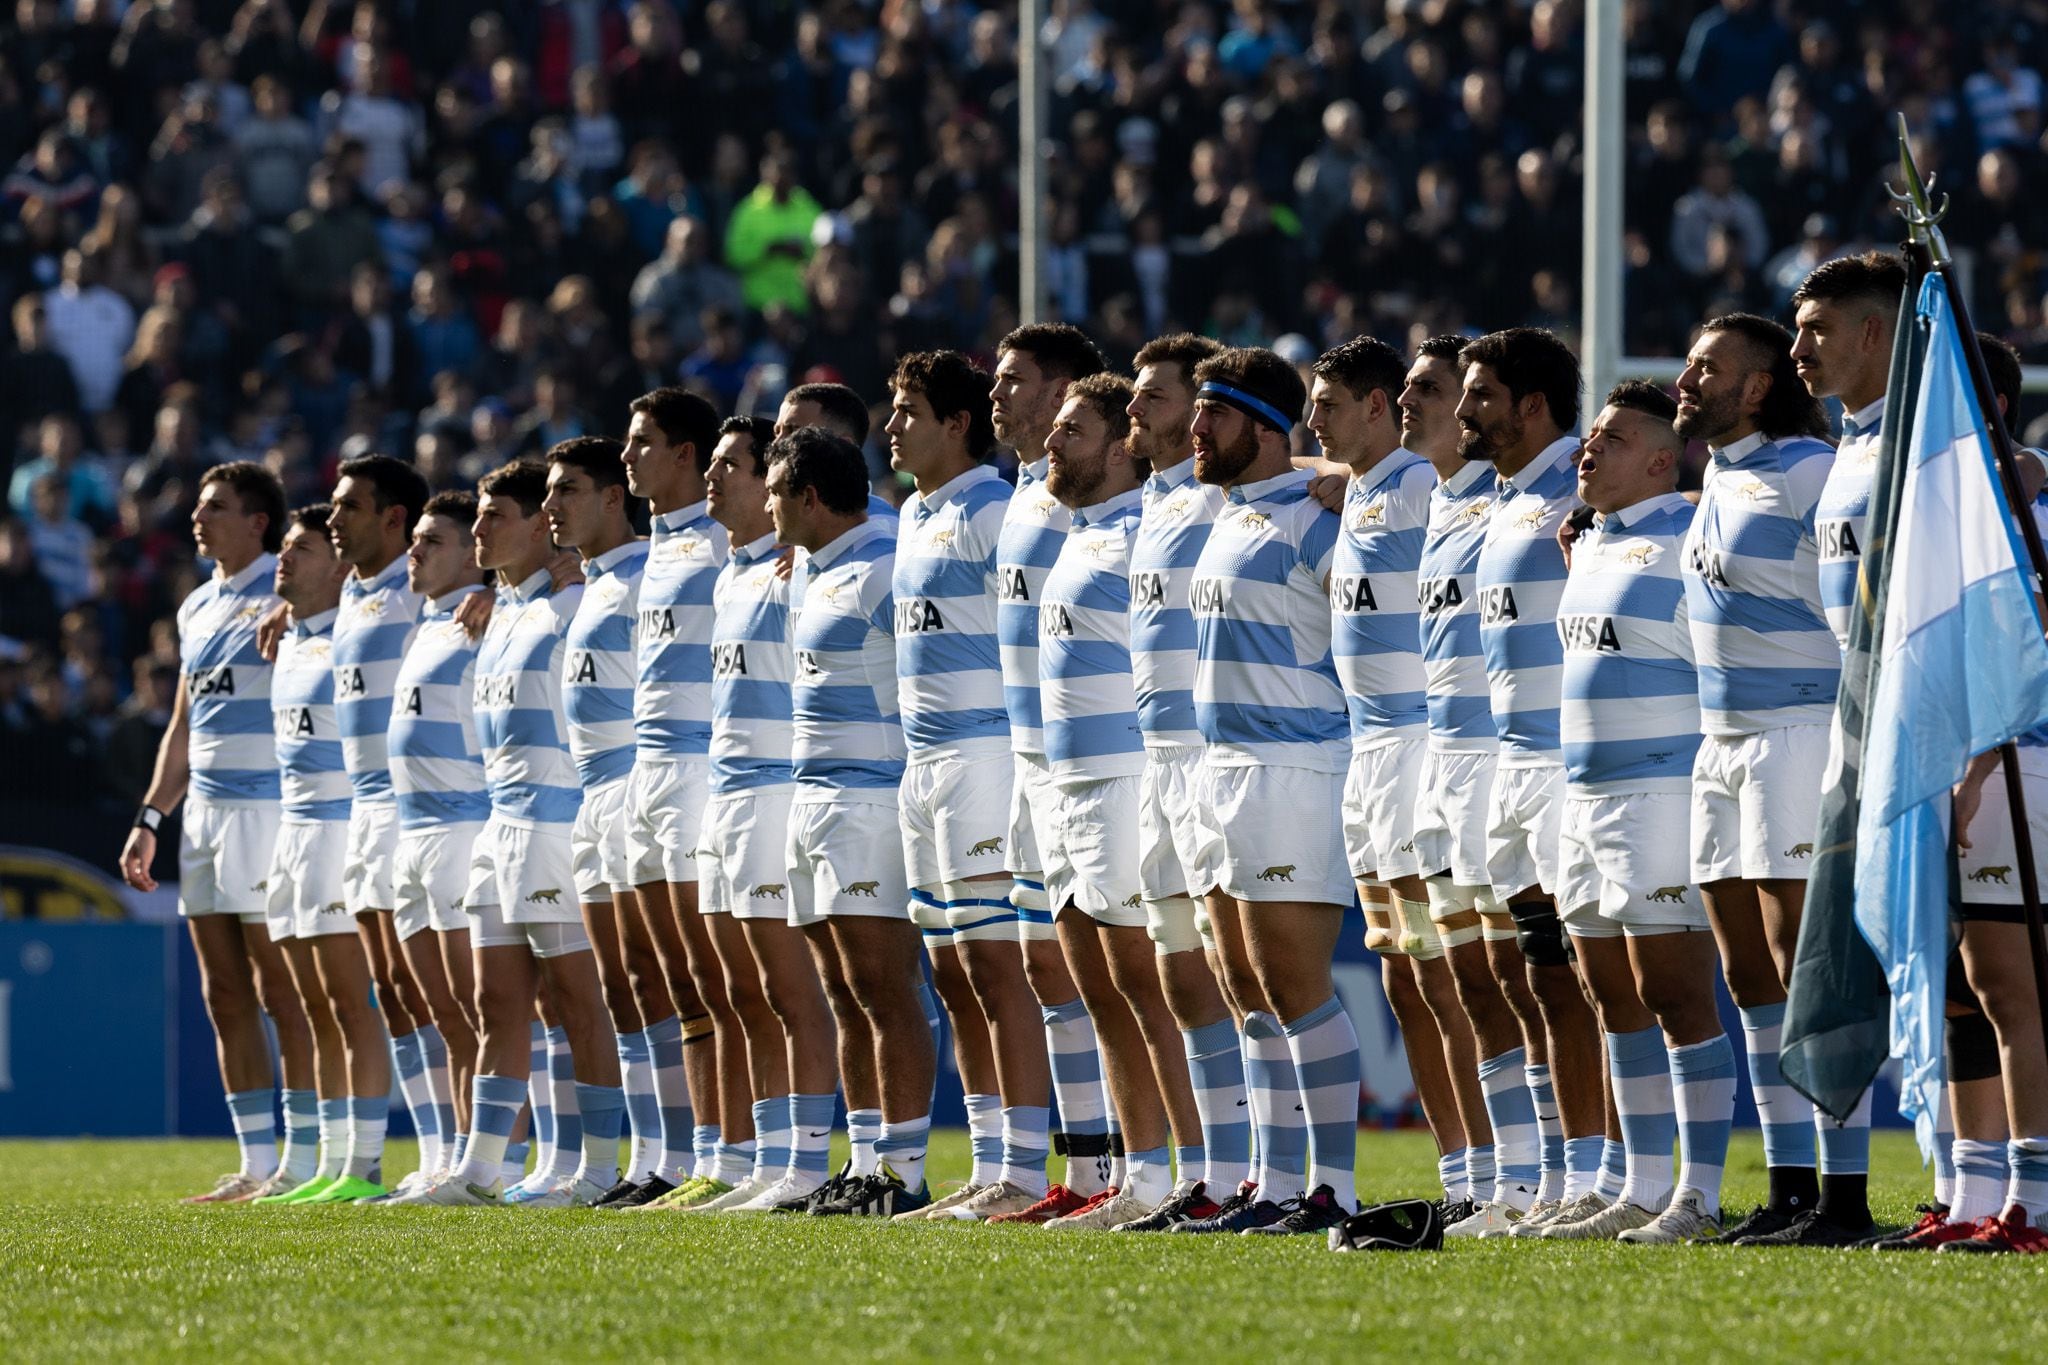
[1794, 1189]
[1845, 1200]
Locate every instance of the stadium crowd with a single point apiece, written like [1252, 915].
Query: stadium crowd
[302, 230]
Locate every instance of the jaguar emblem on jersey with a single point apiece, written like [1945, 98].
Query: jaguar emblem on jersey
[1373, 514]
[1531, 519]
[1756, 490]
[687, 547]
[939, 540]
[250, 612]
[369, 606]
[1045, 505]
[1258, 521]
[1639, 554]
[1175, 508]
[1476, 511]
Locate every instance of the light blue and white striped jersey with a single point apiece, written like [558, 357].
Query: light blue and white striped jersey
[312, 778]
[1521, 576]
[1178, 514]
[2037, 739]
[1084, 649]
[1034, 527]
[1631, 712]
[949, 673]
[672, 701]
[519, 722]
[227, 685]
[375, 624]
[880, 508]
[1376, 630]
[843, 698]
[1844, 507]
[1765, 655]
[1266, 690]
[751, 664]
[1447, 592]
[600, 669]
[436, 768]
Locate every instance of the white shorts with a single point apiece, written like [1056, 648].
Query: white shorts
[1169, 842]
[1522, 819]
[597, 842]
[1450, 813]
[742, 855]
[1989, 867]
[1756, 803]
[845, 857]
[524, 871]
[488, 928]
[305, 878]
[1273, 834]
[1034, 828]
[224, 861]
[1380, 789]
[1093, 865]
[369, 880]
[433, 874]
[664, 815]
[1623, 865]
[956, 814]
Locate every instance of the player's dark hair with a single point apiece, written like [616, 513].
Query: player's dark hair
[601, 457]
[1059, 349]
[1442, 346]
[1265, 375]
[1640, 395]
[1363, 364]
[1531, 360]
[257, 490]
[2002, 365]
[313, 517]
[759, 431]
[1109, 395]
[523, 481]
[1788, 408]
[839, 407]
[952, 384]
[1184, 349]
[1875, 279]
[456, 505]
[683, 418]
[392, 483]
[820, 458]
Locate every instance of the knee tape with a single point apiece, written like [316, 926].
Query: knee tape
[1447, 899]
[1462, 935]
[1171, 925]
[1493, 931]
[1972, 1048]
[1418, 931]
[1540, 933]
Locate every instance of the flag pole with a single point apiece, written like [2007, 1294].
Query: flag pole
[1923, 224]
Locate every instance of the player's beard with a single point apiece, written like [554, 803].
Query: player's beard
[1223, 464]
[1076, 482]
[1709, 417]
[1478, 443]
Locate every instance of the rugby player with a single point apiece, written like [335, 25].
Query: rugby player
[839, 410]
[1177, 513]
[669, 441]
[742, 867]
[219, 747]
[1034, 365]
[1095, 756]
[1520, 403]
[1270, 790]
[1768, 668]
[589, 511]
[1377, 644]
[955, 797]
[319, 936]
[847, 890]
[437, 774]
[1629, 719]
[1477, 935]
[526, 926]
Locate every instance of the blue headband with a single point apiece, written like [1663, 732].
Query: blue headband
[1250, 406]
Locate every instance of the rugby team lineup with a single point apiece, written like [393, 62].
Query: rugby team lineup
[654, 852]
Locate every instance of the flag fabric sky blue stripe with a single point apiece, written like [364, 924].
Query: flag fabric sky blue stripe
[1963, 667]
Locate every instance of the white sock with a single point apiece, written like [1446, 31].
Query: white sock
[863, 1131]
[1149, 1176]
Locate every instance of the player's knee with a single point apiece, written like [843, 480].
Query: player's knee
[1751, 984]
[1539, 933]
[1972, 1048]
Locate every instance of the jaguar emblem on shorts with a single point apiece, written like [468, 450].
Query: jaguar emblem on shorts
[1673, 894]
[263, 885]
[768, 889]
[1134, 900]
[1640, 554]
[867, 889]
[1408, 847]
[994, 845]
[334, 908]
[1279, 872]
[547, 895]
[1993, 874]
[1799, 851]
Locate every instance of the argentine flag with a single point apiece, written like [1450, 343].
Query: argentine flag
[1961, 668]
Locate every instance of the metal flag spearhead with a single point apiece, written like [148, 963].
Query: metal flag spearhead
[1922, 216]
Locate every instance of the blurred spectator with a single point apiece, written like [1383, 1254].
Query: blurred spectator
[768, 241]
[51, 175]
[131, 742]
[1732, 51]
[28, 605]
[90, 326]
[389, 128]
[1716, 203]
[274, 152]
[63, 544]
[60, 454]
[2005, 97]
[683, 282]
[443, 335]
[325, 242]
[35, 380]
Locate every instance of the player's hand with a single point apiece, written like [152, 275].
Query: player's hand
[136, 856]
[565, 570]
[1968, 796]
[270, 630]
[785, 563]
[1570, 529]
[475, 613]
[1328, 489]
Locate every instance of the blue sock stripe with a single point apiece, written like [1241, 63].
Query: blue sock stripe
[602, 1110]
[495, 1103]
[1582, 1154]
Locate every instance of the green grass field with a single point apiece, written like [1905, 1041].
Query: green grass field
[98, 1262]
